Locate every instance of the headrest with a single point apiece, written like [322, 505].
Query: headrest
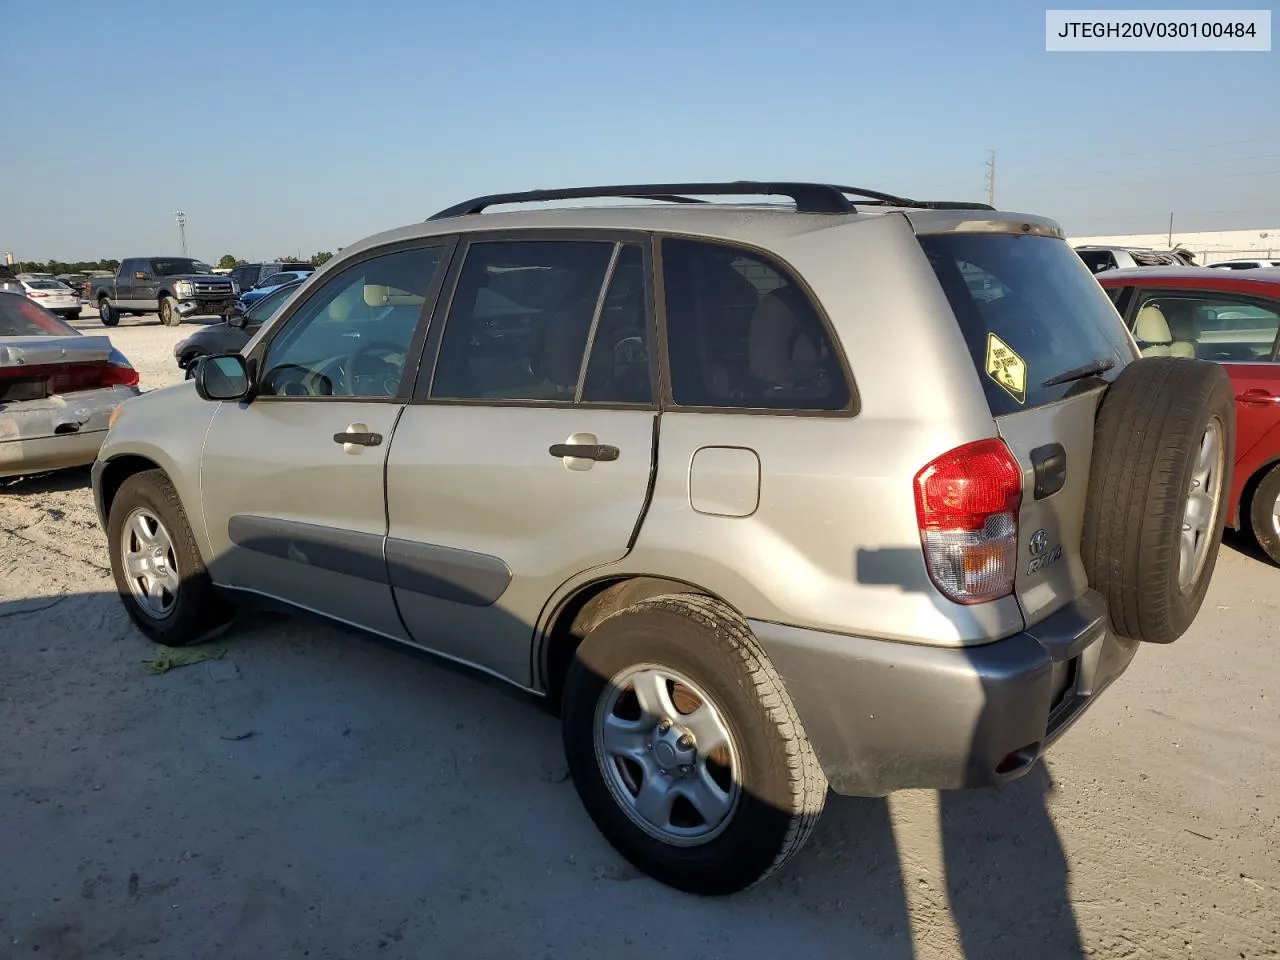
[775, 354]
[1151, 326]
[380, 295]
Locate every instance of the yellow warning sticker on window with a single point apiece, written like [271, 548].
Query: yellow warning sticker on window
[1006, 368]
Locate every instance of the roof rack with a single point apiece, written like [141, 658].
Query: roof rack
[808, 197]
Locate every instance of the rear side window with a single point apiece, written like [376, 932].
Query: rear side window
[1097, 260]
[1029, 311]
[741, 334]
[19, 317]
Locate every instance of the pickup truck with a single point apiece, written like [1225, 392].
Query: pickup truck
[174, 287]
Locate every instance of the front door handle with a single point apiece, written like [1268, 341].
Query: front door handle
[582, 450]
[1258, 395]
[356, 437]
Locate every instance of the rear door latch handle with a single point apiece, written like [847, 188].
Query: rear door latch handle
[600, 452]
[1258, 395]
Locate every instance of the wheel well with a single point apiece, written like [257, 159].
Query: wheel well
[116, 472]
[585, 608]
[1247, 491]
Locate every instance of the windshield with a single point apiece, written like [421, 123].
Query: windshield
[1029, 311]
[19, 317]
[269, 306]
[174, 267]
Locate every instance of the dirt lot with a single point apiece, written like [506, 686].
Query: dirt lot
[318, 794]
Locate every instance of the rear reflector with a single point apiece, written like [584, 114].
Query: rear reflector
[967, 503]
[73, 377]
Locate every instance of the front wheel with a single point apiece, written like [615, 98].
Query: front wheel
[156, 564]
[686, 749]
[1264, 514]
[109, 316]
[168, 314]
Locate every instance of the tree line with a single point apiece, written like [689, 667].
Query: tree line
[229, 260]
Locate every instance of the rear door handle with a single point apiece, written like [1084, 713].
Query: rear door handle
[1258, 395]
[600, 452]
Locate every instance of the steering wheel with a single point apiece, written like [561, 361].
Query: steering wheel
[390, 381]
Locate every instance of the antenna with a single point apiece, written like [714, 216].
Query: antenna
[182, 229]
[991, 179]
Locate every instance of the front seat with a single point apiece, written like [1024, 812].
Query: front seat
[1151, 330]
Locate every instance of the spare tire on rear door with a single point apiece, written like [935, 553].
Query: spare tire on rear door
[1164, 444]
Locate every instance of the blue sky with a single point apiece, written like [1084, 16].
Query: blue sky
[292, 127]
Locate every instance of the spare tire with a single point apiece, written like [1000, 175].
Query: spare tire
[1164, 444]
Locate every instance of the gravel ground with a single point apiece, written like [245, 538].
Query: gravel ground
[318, 794]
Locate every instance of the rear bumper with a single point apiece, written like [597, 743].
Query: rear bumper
[885, 716]
[18, 457]
[57, 432]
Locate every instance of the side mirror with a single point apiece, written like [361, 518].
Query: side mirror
[224, 377]
[234, 315]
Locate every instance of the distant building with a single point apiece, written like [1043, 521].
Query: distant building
[1208, 247]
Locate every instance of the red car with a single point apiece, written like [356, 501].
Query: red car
[1231, 317]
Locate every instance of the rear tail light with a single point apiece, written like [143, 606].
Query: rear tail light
[967, 503]
[73, 377]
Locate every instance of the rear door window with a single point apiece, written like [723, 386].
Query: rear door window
[1029, 311]
[742, 334]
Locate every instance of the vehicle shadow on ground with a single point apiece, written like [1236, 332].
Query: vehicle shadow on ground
[308, 788]
[1245, 545]
[59, 481]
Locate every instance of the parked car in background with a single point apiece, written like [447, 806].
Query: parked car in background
[9, 283]
[613, 503]
[58, 389]
[236, 329]
[55, 296]
[270, 285]
[250, 275]
[174, 287]
[79, 282]
[1233, 319]
[1244, 264]
[1102, 258]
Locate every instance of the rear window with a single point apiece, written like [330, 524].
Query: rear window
[19, 317]
[1029, 311]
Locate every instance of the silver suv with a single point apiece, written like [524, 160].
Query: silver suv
[864, 493]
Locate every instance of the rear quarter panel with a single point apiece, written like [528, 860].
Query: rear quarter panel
[834, 543]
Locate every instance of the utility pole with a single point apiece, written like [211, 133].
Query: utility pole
[1171, 231]
[991, 179]
[182, 229]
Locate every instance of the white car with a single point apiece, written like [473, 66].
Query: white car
[55, 296]
[1243, 264]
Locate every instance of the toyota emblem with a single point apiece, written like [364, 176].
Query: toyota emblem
[1039, 543]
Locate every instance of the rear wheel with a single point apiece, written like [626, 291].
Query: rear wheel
[1164, 445]
[156, 564]
[110, 317]
[686, 749]
[1264, 514]
[168, 313]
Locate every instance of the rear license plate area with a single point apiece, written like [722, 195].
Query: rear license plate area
[26, 388]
